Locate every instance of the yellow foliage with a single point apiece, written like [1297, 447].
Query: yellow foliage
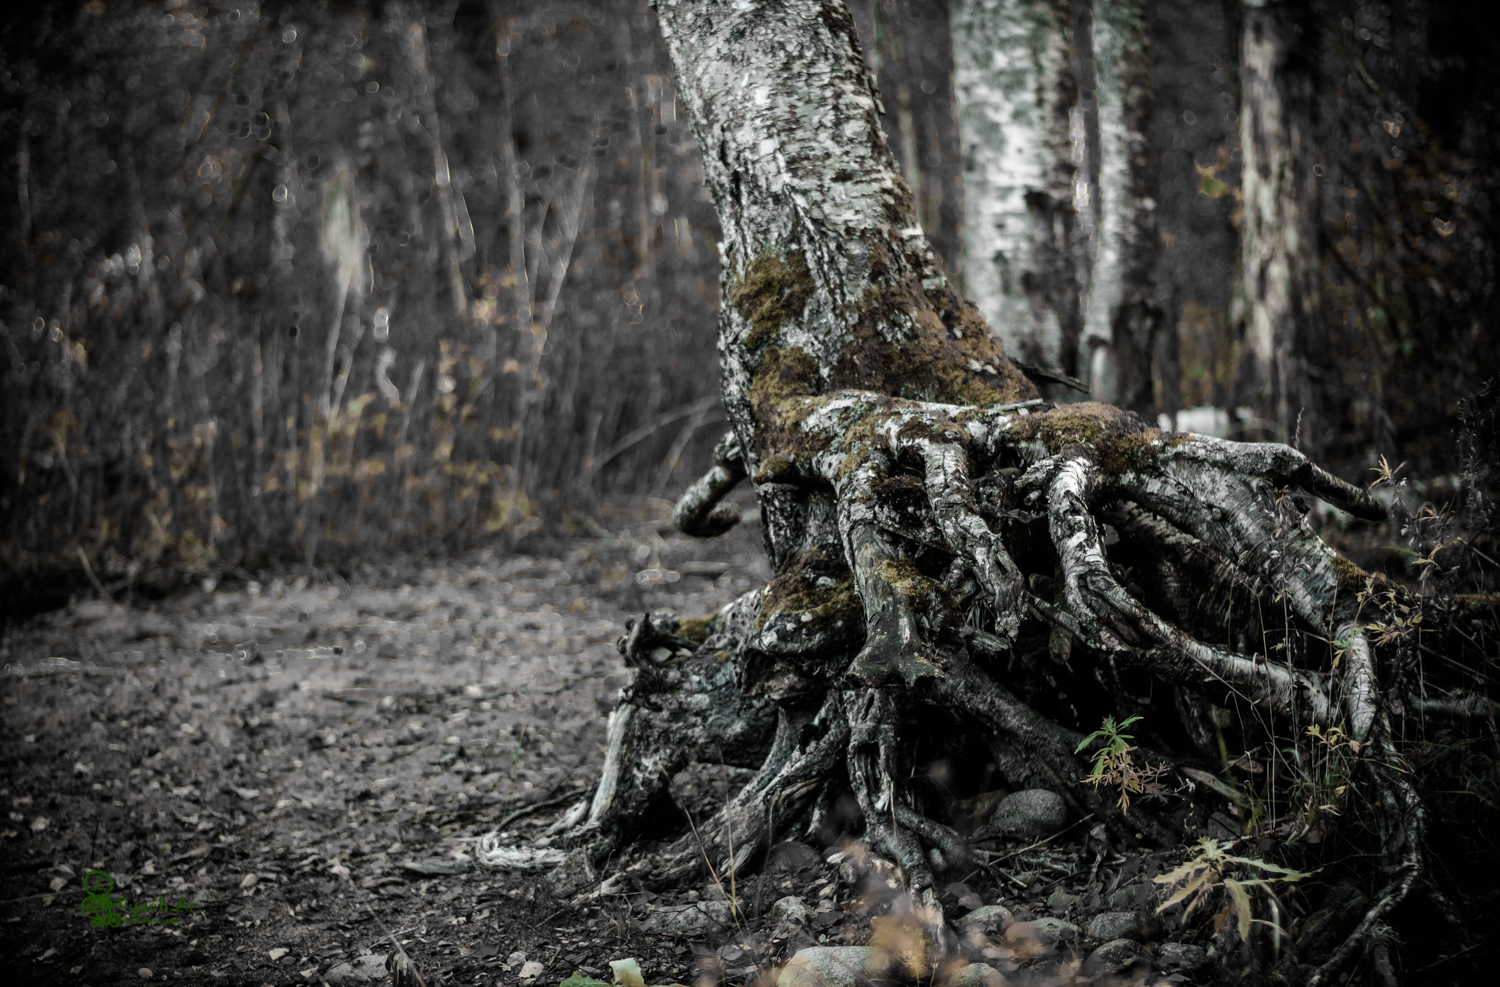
[1197, 879]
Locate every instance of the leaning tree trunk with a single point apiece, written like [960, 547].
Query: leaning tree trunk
[939, 531]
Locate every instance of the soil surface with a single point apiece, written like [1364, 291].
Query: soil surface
[295, 771]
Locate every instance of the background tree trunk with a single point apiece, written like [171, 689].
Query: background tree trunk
[908, 45]
[1280, 235]
[1123, 315]
[1030, 171]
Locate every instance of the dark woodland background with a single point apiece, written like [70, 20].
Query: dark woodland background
[304, 282]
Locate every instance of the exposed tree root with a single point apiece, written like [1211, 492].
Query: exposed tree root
[967, 535]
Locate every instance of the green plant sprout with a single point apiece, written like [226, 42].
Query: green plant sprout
[1114, 766]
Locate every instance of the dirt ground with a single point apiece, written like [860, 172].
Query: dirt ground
[243, 745]
[297, 771]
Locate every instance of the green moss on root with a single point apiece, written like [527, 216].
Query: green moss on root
[1120, 439]
[696, 629]
[1351, 578]
[905, 578]
[796, 591]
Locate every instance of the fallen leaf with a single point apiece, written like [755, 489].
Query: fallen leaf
[248, 881]
[531, 970]
[39, 823]
[278, 952]
[50, 952]
[57, 883]
[247, 793]
[627, 973]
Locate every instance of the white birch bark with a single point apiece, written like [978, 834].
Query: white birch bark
[1008, 58]
[1105, 289]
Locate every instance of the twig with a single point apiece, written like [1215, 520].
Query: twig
[1027, 849]
[648, 429]
[1451, 957]
[397, 757]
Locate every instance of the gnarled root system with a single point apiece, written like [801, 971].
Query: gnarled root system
[996, 580]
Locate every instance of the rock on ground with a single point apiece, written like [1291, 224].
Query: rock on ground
[1180, 957]
[978, 975]
[833, 966]
[1122, 925]
[1115, 957]
[1030, 815]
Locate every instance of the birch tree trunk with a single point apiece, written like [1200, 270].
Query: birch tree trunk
[939, 537]
[1280, 237]
[1027, 245]
[1123, 314]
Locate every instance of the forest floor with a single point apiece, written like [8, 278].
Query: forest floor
[299, 771]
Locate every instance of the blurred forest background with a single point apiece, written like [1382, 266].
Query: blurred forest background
[299, 282]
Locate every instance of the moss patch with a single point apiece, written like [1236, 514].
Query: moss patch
[947, 341]
[905, 578]
[784, 376]
[775, 469]
[902, 494]
[798, 591]
[696, 629]
[1120, 439]
[1351, 578]
[772, 293]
